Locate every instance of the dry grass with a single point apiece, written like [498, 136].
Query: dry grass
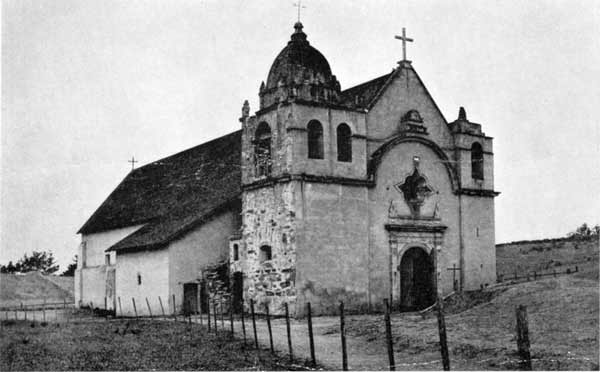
[127, 345]
[563, 324]
[33, 288]
[548, 255]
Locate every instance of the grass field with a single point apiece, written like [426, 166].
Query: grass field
[127, 345]
[547, 255]
[33, 288]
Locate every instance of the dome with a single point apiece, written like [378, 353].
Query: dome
[298, 62]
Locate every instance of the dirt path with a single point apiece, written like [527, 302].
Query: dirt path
[563, 321]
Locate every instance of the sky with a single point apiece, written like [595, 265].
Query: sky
[86, 85]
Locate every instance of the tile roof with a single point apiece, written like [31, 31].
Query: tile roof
[173, 194]
[366, 92]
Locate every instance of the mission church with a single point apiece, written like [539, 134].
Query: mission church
[323, 195]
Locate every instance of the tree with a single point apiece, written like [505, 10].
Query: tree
[38, 261]
[70, 271]
[584, 231]
[8, 269]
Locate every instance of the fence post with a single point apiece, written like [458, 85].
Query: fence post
[343, 336]
[24, 310]
[134, 308]
[208, 314]
[189, 311]
[44, 310]
[120, 308]
[534, 275]
[310, 335]
[289, 333]
[254, 323]
[576, 269]
[231, 317]
[269, 327]
[243, 324]
[388, 334]
[221, 308]
[162, 309]
[442, 332]
[215, 316]
[523, 338]
[554, 272]
[174, 309]
[149, 309]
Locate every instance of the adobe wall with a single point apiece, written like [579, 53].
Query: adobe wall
[205, 246]
[152, 266]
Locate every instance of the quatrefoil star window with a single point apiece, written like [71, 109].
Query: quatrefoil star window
[415, 190]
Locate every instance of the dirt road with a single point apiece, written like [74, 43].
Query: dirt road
[563, 320]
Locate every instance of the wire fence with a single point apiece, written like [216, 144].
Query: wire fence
[215, 317]
[534, 275]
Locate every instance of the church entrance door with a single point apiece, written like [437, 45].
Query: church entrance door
[237, 292]
[416, 284]
[190, 298]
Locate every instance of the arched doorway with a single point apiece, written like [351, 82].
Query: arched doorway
[416, 284]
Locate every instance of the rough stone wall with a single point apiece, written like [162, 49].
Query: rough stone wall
[269, 219]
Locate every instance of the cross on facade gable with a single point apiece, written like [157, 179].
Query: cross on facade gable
[299, 6]
[132, 161]
[404, 40]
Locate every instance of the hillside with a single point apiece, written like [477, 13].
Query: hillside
[547, 255]
[33, 288]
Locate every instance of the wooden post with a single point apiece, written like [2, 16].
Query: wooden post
[44, 310]
[174, 309]
[523, 338]
[289, 333]
[254, 323]
[149, 309]
[231, 317]
[208, 314]
[199, 306]
[442, 331]
[310, 335]
[134, 308]
[343, 336]
[162, 309]
[576, 269]
[534, 275]
[24, 310]
[269, 328]
[215, 315]
[105, 304]
[189, 313]
[243, 324]
[92, 307]
[120, 308]
[554, 272]
[221, 308]
[388, 335]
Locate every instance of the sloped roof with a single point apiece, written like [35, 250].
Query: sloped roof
[172, 194]
[366, 92]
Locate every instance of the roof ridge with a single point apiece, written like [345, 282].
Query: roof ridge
[189, 149]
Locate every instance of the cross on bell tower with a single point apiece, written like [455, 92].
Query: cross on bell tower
[299, 6]
[404, 40]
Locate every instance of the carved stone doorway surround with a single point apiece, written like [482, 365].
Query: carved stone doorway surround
[426, 235]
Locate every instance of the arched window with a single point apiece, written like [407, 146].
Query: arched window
[264, 254]
[344, 143]
[476, 161]
[262, 149]
[315, 140]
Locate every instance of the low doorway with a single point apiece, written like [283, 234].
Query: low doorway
[190, 298]
[237, 292]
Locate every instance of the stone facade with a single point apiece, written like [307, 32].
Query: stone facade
[345, 230]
